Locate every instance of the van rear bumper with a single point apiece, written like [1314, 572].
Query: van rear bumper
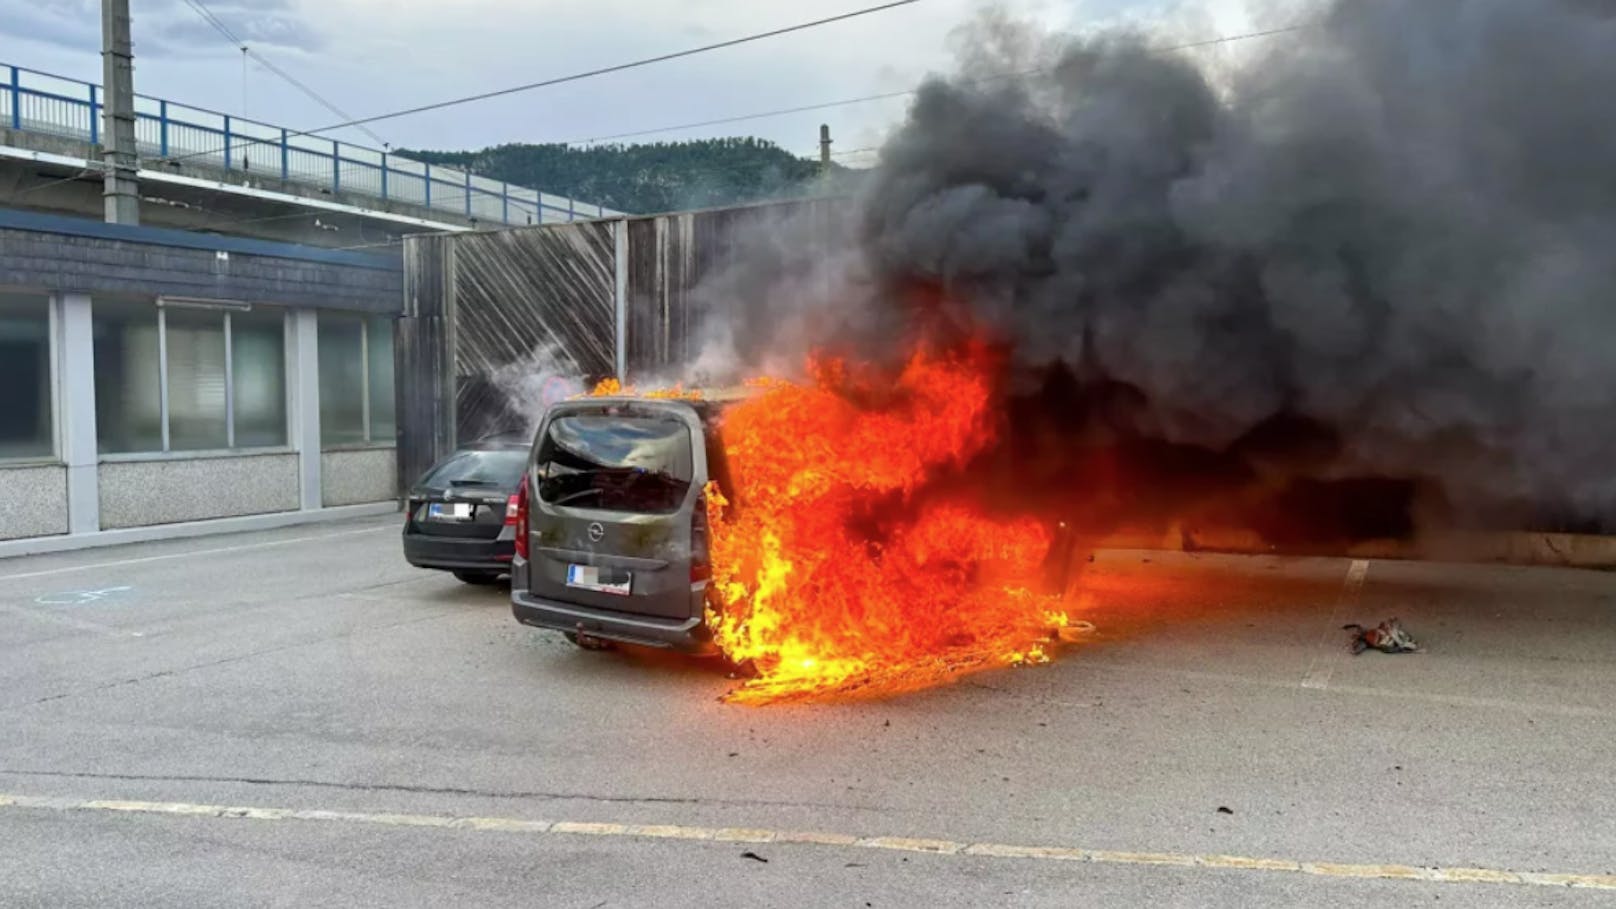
[686, 635]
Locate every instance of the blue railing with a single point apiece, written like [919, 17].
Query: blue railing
[167, 132]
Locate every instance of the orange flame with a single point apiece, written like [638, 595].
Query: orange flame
[831, 578]
[612, 387]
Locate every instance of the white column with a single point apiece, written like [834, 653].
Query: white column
[77, 414]
[303, 386]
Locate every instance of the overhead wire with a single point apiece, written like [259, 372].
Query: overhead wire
[1191, 45]
[219, 26]
[481, 96]
[606, 70]
[537, 209]
[884, 96]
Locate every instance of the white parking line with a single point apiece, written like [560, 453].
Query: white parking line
[1325, 662]
[944, 849]
[193, 553]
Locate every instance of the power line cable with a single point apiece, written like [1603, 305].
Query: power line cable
[229, 35]
[606, 70]
[575, 77]
[786, 111]
[537, 209]
[739, 119]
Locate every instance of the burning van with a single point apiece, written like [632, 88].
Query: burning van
[812, 530]
[612, 539]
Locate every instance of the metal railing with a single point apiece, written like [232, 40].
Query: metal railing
[37, 102]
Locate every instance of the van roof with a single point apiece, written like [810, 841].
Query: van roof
[723, 395]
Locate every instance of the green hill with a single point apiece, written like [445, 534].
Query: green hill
[658, 177]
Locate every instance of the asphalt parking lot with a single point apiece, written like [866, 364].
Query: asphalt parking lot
[298, 717]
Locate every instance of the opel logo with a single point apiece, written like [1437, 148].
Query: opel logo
[596, 532]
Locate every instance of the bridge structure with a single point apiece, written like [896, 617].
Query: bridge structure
[208, 170]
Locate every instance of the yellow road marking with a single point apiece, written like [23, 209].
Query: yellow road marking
[743, 835]
[903, 844]
[1142, 858]
[1246, 863]
[1493, 876]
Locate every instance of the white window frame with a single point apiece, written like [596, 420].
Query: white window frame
[227, 307]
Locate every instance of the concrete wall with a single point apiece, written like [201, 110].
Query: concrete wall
[137, 493]
[33, 501]
[358, 476]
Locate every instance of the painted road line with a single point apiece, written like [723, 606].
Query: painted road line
[193, 553]
[944, 849]
[1325, 662]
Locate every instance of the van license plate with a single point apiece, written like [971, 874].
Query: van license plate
[449, 511]
[602, 580]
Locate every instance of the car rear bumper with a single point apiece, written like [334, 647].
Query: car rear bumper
[686, 635]
[454, 554]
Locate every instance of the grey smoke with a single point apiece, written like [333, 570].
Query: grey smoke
[1399, 221]
[531, 384]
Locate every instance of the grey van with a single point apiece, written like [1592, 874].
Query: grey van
[611, 526]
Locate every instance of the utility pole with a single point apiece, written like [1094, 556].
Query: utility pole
[824, 149]
[121, 191]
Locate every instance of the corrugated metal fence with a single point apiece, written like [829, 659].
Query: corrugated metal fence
[587, 300]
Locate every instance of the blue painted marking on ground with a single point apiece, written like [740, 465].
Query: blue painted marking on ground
[82, 597]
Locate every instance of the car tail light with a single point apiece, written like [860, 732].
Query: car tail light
[513, 507]
[520, 519]
[701, 565]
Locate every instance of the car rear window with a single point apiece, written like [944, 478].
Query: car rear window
[494, 469]
[639, 464]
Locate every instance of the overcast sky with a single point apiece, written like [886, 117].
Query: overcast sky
[373, 56]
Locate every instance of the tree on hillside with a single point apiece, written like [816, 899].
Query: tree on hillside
[655, 177]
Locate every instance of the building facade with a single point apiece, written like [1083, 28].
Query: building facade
[151, 379]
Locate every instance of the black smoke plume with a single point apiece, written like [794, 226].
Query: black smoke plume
[1374, 264]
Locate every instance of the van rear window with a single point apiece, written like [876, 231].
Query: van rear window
[639, 464]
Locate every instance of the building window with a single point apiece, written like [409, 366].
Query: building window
[198, 418]
[258, 367]
[356, 380]
[379, 347]
[128, 377]
[188, 377]
[27, 414]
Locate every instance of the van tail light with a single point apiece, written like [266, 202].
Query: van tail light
[519, 505]
[701, 565]
[513, 507]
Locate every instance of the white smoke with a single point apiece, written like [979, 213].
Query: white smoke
[530, 385]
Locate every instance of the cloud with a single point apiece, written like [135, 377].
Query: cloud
[167, 28]
[63, 23]
[173, 27]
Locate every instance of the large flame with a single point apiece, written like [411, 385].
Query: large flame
[832, 576]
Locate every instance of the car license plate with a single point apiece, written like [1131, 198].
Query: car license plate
[602, 580]
[449, 511]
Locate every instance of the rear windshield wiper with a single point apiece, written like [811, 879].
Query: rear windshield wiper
[577, 495]
[472, 483]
